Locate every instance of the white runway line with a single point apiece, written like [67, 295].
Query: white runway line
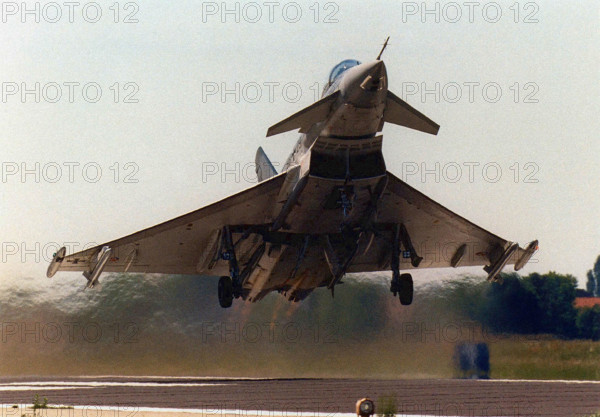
[51, 385]
[37, 387]
[546, 381]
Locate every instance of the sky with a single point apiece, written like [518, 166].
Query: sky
[118, 116]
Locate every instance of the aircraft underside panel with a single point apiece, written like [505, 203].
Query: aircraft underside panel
[186, 244]
[293, 271]
[335, 226]
[326, 204]
[441, 237]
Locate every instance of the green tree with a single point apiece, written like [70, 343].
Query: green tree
[597, 275]
[588, 323]
[532, 304]
[510, 307]
[555, 295]
[593, 276]
[591, 283]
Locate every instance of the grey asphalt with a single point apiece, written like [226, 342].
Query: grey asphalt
[418, 397]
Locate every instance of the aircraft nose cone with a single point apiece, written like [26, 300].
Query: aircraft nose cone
[374, 78]
[376, 69]
[365, 85]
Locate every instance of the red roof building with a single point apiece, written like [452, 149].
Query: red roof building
[582, 302]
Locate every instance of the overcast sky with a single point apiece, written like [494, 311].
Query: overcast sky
[145, 111]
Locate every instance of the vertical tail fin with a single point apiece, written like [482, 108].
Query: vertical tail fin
[264, 167]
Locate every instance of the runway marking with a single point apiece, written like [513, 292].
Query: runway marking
[31, 387]
[72, 385]
[210, 412]
[52, 385]
[546, 381]
[231, 380]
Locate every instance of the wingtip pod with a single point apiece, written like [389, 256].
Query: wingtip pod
[529, 250]
[495, 269]
[94, 273]
[57, 259]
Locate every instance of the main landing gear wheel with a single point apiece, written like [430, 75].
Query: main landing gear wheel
[406, 289]
[225, 292]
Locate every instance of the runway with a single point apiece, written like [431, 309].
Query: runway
[312, 397]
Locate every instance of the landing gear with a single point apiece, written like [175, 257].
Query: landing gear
[227, 284]
[402, 284]
[406, 289]
[225, 292]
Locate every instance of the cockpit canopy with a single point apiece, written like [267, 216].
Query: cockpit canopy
[341, 67]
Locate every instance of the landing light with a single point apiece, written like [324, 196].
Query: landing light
[365, 407]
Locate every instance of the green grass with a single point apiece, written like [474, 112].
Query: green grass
[386, 406]
[546, 359]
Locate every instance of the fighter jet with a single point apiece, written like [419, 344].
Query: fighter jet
[333, 209]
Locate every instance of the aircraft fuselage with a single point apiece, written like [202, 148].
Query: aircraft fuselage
[335, 175]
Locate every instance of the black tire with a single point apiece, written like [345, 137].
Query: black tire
[225, 291]
[406, 289]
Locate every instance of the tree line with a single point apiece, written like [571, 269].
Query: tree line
[535, 304]
[593, 279]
